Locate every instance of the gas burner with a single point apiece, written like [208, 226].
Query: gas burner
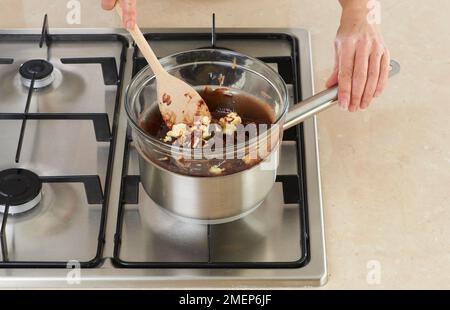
[20, 189]
[41, 69]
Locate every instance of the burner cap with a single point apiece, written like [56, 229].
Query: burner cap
[42, 69]
[20, 189]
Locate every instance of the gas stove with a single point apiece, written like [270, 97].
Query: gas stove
[72, 209]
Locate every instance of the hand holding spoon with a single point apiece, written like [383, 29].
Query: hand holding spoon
[178, 101]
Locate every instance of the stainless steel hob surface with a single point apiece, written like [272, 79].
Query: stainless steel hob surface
[65, 225]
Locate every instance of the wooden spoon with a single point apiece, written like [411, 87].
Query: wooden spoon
[178, 101]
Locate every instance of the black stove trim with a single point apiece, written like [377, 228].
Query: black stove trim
[24, 120]
[6, 61]
[101, 122]
[109, 70]
[94, 195]
[109, 67]
[130, 194]
[45, 38]
[3, 241]
[291, 193]
[92, 185]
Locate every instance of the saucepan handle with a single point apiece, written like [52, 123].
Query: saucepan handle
[319, 102]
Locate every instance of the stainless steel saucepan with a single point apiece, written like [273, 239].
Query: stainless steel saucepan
[218, 198]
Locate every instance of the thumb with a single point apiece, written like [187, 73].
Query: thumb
[108, 4]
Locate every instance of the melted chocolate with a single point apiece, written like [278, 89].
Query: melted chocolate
[220, 102]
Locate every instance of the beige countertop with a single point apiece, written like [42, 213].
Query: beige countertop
[386, 171]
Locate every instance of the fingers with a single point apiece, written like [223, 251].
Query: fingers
[346, 63]
[373, 77]
[333, 79]
[359, 75]
[384, 72]
[108, 4]
[129, 13]
[362, 74]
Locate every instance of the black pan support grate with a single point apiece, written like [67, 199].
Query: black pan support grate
[103, 133]
[94, 195]
[294, 186]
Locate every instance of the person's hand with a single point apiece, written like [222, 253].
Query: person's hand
[128, 8]
[362, 61]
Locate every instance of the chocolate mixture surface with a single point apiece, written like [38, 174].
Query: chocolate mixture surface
[228, 109]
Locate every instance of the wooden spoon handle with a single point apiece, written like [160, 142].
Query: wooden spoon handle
[143, 45]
